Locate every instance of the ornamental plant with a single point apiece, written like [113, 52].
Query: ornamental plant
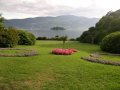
[111, 43]
[26, 38]
[60, 51]
[8, 37]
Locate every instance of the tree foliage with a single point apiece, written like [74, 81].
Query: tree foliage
[107, 24]
[8, 36]
[1, 22]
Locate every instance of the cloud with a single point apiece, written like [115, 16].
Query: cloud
[33, 8]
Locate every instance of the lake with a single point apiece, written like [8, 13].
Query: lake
[51, 33]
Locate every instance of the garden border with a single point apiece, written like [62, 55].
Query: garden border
[95, 58]
[30, 52]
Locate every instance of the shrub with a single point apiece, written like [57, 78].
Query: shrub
[111, 43]
[26, 38]
[32, 38]
[8, 37]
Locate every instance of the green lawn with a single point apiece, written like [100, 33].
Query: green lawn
[12, 51]
[57, 72]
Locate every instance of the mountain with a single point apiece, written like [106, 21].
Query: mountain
[40, 26]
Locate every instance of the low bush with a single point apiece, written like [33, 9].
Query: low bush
[26, 38]
[111, 43]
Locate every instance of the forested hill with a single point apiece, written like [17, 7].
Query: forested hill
[106, 25]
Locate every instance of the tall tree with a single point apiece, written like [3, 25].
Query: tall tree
[63, 38]
[106, 25]
[1, 22]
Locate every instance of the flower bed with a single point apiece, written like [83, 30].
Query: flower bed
[59, 51]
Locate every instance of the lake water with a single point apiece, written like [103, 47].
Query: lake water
[51, 33]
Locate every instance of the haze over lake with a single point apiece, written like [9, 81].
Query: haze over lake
[41, 26]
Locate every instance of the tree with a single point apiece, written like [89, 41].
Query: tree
[107, 24]
[57, 29]
[8, 37]
[64, 39]
[1, 22]
[92, 30]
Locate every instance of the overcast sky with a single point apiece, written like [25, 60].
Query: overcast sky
[34, 8]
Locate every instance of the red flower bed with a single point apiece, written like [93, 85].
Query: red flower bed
[64, 51]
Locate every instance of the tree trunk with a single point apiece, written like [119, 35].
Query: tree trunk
[63, 44]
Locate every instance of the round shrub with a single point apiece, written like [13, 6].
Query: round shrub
[26, 38]
[111, 43]
[8, 38]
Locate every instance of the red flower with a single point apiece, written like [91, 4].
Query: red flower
[63, 51]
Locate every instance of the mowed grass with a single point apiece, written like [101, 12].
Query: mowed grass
[12, 51]
[57, 72]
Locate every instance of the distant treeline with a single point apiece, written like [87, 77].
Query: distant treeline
[55, 38]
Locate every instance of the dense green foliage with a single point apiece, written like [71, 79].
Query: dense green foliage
[106, 25]
[58, 38]
[1, 22]
[8, 36]
[26, 38]
[56, 72]
[111, 43]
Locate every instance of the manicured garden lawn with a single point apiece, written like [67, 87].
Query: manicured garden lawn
[57, 72]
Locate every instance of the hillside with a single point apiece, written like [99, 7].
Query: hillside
[107, 24]
[40, 26]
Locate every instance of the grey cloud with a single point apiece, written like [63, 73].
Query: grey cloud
[41, 7]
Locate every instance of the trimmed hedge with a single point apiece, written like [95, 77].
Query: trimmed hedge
[26, 38]
[111, 43]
